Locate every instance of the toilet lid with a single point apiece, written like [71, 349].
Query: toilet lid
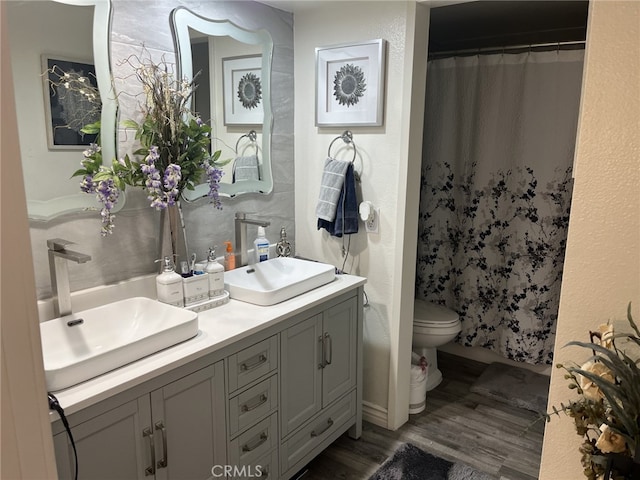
[430, 313]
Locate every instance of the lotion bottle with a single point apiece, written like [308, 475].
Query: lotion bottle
[216, 275]
[229, 257]
[169, 284]
[261, 246]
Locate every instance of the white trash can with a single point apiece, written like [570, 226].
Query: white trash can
[418, 385]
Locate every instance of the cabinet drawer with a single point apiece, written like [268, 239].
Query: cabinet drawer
[252, 363]
[256, 442]
[316, 431]
[266, 468]
[252, 404]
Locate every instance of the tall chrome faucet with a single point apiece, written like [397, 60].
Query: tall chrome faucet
[241, 222]
[58, 257]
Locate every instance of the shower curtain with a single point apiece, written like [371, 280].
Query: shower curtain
[500, 132]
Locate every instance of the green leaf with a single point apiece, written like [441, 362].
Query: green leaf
[129, 124]
[82, 172]
[91, 128]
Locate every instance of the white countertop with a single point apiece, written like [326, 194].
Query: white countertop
[219, 327]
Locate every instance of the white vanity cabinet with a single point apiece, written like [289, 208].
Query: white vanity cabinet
[257, 404]
[175, 431]
[319, 376]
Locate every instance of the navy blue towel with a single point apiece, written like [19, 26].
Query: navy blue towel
[346, 221]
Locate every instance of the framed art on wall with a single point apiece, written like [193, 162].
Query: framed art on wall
[350, 84]
[71, 101]
[242, 87]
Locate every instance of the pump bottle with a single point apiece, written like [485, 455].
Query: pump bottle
[229, 257]
[169, 284]
[216, 275]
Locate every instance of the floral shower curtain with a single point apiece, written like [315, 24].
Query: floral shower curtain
[500, 132]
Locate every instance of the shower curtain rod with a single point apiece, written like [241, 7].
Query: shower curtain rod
[573, 45]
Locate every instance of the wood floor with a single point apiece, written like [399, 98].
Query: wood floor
[457, 425]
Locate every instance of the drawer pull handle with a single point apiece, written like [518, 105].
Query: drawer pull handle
[327, 427]
[260, 359]
[162, 463]
[151, 470]
[262, 399]
[264, 436]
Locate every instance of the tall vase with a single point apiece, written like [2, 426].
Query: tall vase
[173, 237]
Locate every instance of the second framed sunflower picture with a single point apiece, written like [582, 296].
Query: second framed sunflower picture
[242, 85]
[350, 84]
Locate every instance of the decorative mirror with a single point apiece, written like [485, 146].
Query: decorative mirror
[233, 68]
[36, 44]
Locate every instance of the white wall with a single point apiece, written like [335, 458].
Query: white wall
[388, 159]
[26, 443]
[602, 261]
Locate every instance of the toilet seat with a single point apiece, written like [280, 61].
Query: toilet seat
[426, 314]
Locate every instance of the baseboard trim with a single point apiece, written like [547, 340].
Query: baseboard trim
[375, 414]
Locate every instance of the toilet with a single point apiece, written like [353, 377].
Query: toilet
[433, 326]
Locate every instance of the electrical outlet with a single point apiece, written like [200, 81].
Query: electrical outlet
[373, 224]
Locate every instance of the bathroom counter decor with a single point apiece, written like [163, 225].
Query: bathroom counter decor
[263, 387]
[607, 411]
[174, 148]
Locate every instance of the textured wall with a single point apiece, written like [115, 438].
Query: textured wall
[131, 250]
[602, 262]
[390, 174]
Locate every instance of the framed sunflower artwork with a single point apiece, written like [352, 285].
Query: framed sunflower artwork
[350, 84]
[242, 87]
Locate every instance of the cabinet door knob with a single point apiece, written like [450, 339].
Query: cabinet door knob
[151, 470]
[162, 463]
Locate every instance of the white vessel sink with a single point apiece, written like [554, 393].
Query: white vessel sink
[89, 343]
[276, 280]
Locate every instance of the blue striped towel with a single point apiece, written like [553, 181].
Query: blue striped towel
[330, 188]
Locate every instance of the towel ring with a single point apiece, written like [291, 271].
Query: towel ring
[347, 137]
[252, 136]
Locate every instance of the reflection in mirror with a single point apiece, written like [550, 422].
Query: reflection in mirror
[35, 34]
[233, 68]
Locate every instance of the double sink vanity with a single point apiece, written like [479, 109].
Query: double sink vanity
[256, 387]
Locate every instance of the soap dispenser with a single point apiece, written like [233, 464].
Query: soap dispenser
[261, 246]
[216, 275]
[283, 247]
[169, 284]
[229, 257]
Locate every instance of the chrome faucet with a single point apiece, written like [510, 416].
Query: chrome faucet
[241, 222]
[58, 257]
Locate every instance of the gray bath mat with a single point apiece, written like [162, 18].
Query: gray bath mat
[515, 386]
[409, 462]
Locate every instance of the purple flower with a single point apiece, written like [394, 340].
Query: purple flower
[214, 175]
[87, 185]
[107, 193]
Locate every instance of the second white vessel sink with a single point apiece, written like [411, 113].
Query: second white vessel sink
[276, 280]
[86, 344]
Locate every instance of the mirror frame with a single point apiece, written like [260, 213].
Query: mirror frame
[77, 202]
[181, 20]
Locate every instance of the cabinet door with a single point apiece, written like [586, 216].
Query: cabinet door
[189, 427]
[339, 345]
[109, 446]
[301, 368]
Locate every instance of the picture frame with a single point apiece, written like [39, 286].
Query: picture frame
[66, 111]
[242, 86]
[350, 84]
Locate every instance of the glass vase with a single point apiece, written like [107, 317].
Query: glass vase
[173, 236]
